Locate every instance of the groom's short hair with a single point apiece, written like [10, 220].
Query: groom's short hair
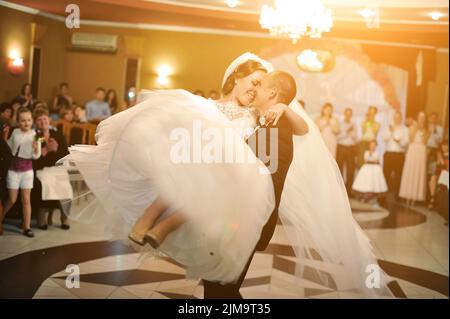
[285, 84]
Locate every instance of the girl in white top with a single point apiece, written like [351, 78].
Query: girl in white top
[25, 146]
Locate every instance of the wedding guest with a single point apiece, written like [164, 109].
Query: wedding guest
[396, 138]
[63, 99]
[40, 105]
[441, 203]
[414, 175]
[79, 114]
[66, 115]
[54, 147]
[97, 109]
[410, 121]
[370, 183]
[199, 93]
[329, 127]
[25, 146]
[346, 149]
[370, 128]
[6, 112]
[436, 133]
[436, 136]
[214, 95]
[441, 164]
[111, 99]
[25, 98]
[15, 107]
[5, 161]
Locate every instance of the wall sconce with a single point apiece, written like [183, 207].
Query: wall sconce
[436, 15]
[163, 75]
[15, 63]
[311, 60]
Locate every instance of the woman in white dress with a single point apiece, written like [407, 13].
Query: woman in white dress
[414, 177]
[370, 182]
[229, 203]
[329, 127]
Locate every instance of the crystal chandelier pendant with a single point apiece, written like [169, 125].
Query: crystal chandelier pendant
[296, 19]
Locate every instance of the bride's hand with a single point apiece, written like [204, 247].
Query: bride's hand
[274, 113]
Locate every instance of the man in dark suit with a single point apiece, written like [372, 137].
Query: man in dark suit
[273, 145]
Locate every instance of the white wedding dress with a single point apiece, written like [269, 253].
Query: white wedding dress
[330, 247]
[227, 204]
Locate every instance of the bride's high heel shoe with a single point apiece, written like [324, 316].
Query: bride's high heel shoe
[152, 239]
[136, 238]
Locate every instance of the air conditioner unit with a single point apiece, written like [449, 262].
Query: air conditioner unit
[94, 42]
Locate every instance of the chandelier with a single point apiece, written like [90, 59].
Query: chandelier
[296, 19]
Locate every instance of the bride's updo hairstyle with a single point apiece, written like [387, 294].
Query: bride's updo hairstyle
[242, 71]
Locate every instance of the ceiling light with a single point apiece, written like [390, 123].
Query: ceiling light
[372, 17]
[295, 19]
[232, 3]
[366, 13]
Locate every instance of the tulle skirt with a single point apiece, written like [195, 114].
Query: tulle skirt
[370, 179]
[161, 148]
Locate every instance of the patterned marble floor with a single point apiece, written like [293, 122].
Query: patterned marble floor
[412, 247]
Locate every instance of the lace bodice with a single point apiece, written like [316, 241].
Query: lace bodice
[243, 118]
[233, 111]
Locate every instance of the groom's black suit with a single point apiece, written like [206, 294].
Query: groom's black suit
[214, 290]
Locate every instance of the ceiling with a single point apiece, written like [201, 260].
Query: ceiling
[401, 21]
[340, 6]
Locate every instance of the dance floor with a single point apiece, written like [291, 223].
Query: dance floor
[412, 246]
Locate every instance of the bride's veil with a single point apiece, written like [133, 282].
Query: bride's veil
[330, 247]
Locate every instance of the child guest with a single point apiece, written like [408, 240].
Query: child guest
[370, 182]
[25, 146]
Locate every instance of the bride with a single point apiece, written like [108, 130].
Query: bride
[130, 168]
[239, 92]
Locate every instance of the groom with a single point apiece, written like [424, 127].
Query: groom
[275, 87]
